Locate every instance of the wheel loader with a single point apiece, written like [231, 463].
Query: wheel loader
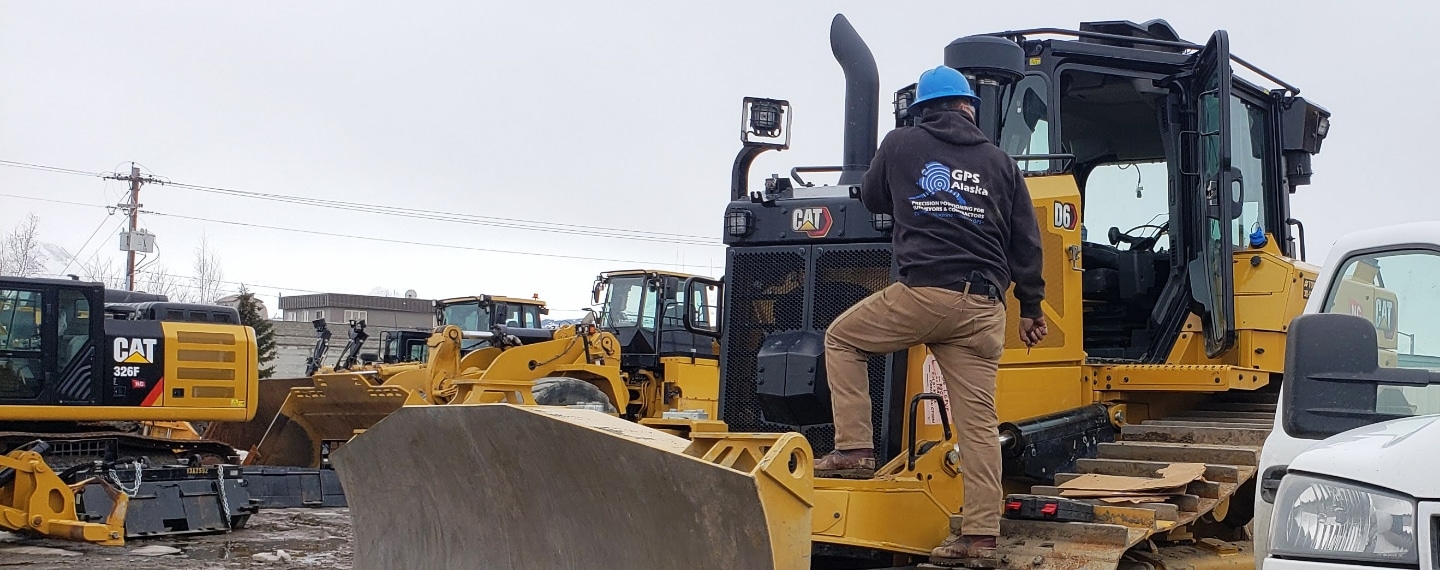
[644, 358]
[1160, 172]
[82, 379]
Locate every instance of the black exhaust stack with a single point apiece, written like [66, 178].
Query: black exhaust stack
[862, 92]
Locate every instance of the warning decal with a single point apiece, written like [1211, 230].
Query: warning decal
[935, 384]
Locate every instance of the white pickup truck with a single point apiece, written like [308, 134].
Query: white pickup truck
[1350, 474]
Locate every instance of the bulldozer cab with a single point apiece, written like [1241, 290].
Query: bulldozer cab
[1179, 164]
[485, 312]
[657, 314]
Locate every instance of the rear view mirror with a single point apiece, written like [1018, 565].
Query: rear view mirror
[1334, 381]
[702, 306]
[596, 289]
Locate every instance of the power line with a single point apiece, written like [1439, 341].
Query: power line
[408, 242]
[44, 168]
[367, 238]
[461, 218]
[451, 217]
[81, 251]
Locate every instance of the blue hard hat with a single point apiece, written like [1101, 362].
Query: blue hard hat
[943, 82]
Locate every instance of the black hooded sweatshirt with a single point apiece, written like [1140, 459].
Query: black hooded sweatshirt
[960, 206]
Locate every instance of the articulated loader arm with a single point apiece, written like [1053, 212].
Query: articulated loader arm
[540, 487]
[33, 499]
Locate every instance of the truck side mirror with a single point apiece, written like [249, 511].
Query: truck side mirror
[1333, 378]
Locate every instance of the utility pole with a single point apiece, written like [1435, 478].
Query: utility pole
[133, 240]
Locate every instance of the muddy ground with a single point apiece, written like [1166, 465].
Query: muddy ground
[310, 539]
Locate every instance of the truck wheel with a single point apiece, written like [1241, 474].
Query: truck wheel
[566, 391]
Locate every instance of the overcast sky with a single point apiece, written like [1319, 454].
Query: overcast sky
[602, 114]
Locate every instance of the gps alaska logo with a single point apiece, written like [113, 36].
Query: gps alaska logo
[135, 350]
[813, 222]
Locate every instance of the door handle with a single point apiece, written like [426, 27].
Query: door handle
[1074, 253]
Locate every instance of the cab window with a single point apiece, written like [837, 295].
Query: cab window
[21, 369]
[1026, 126]
[1247, 155]
[1397, 291]
[74, 325]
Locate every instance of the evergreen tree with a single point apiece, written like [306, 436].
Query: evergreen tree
[264, 331]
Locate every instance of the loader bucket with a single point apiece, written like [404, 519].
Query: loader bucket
[330, 411]
[247, 435]
[502, 486]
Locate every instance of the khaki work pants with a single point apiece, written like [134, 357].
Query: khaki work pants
[966, 334]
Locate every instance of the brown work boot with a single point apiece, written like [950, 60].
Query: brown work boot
[848, 464]
[969, 551]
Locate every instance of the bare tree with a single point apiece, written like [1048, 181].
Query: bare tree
[208, 275]
[20, 251]
[103, 270]
[161, 282]
[384, 292]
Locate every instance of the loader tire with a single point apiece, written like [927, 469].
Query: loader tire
[558, 391]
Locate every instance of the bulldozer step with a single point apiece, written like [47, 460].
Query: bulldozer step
[1194, 434]
[1180, 453]
[1131, 468]
[1253, 407]
[1221, 415]
[1200, 422]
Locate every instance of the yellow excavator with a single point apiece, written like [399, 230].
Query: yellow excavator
[1167, 338]
[79, 380]
[640, 359]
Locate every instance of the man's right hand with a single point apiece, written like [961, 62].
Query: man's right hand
[1032, 331]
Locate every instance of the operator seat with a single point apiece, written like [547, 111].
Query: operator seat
[1101, 280]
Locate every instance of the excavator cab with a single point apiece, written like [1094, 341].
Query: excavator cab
[64, 356]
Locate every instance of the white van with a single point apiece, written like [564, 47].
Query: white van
[1350, 474]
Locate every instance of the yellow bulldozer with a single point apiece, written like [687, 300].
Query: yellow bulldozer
[81, 380]
[640, 359]
[1167, 338]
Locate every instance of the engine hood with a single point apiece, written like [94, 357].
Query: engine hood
[1399, 455]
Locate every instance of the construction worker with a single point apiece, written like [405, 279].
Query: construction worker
[964, 229]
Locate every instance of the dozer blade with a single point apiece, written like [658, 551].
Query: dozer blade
[330, 411]
[502, 486]
[247, 435]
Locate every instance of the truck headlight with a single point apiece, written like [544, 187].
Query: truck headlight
[1323, 519]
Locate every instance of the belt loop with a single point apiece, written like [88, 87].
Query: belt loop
[966, 290]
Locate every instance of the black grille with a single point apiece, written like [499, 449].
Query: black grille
[845, 276]
[795, 288]
[766, 294]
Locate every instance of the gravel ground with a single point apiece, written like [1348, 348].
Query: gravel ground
[309, 539]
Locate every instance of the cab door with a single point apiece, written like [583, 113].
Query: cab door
[1210, 188]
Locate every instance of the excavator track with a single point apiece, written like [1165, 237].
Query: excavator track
[1225, 433]
[75, 448]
